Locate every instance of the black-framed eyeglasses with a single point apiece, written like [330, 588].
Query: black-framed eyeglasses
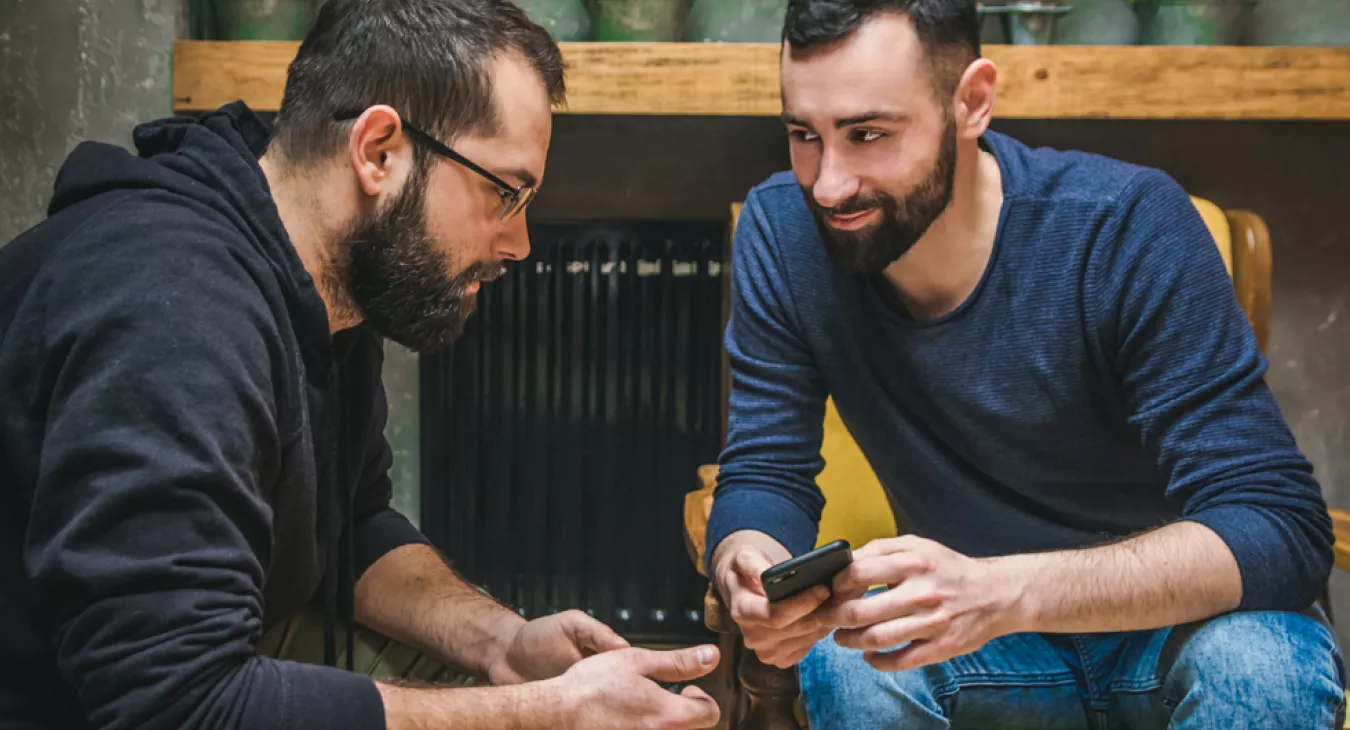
[514, 197]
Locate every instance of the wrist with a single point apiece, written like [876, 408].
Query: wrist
[501, 632]
[560, 702]
[734, 543]
[1013, 591]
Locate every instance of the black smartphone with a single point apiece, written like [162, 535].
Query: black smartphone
[807, 570]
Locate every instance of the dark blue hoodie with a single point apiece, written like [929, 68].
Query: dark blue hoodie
[187, 457]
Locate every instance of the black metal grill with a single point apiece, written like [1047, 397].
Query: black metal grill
[561, 432]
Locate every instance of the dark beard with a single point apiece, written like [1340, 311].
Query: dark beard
[903, 221]
[391, 272]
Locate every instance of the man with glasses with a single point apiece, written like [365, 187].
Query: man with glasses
[191, 413]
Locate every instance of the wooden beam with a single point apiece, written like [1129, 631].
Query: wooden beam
[1175, 82]
[210, 74]
[1035, 82]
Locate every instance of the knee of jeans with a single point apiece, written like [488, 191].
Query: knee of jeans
[833, 675]
[1277, 663]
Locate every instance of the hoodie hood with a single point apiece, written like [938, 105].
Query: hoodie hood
[212, 160]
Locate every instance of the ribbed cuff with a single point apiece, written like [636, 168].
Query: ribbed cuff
[1274, 575]
[761, 509]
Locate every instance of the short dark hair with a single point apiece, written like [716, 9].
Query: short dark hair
[948, 30]
[428, 59]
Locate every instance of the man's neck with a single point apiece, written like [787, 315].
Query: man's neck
[304, 216]
[943, 268]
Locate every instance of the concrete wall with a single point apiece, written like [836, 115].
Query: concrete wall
[72, 70]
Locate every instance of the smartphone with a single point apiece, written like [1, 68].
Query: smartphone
[808, 570]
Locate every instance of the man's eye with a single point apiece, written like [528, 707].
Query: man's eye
[801, 135]
[867, 135]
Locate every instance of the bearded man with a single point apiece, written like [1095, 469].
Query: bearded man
[191, 412]
[1106, 520]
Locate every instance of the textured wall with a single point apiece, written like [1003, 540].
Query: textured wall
[72, 70]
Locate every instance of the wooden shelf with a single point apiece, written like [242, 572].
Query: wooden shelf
[1035, 82]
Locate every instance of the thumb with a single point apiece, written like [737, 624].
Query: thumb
[594, 637]
[749, 564]
[678, 666]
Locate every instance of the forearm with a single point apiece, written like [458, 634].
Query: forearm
[518, 707]
[1179, 573]
[411, 595]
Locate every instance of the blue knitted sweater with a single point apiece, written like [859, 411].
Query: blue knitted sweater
[1101, 380]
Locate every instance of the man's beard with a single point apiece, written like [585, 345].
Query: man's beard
[390, 270]
[902, 223]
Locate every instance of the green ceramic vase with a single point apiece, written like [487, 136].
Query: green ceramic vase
[1194, 22]
[1100, 23]
[565, 20]
[263, 20]
[1301, 23]
[1025, 22]
[736, 21]
[639, 20]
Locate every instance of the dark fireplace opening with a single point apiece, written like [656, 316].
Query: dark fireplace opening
[562, 431]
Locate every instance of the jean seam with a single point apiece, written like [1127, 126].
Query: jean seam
[1090, 668]
[970, 681]
[1134, 685]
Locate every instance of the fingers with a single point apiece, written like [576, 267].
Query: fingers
[918, 654]
[676, 666]
[692, 709]
[907, 600]
[888, 545]
[755, 610]
[789, 653]
[885, 569]
[890, 634]
[789, 611]
[749, 564]
[592, 636]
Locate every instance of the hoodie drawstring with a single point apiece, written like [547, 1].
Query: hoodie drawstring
[339, 582]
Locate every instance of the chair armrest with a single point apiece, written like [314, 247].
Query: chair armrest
[1340, 523]
[697, 507]
[1252, 270]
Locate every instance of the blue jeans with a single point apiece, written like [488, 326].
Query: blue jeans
[1245, 670]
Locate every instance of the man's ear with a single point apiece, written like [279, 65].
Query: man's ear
[973, 104]
[379, 151]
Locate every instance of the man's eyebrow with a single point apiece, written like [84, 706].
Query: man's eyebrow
[869, 117]
[526, 177]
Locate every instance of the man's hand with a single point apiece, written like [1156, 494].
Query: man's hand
[616, 690]
[941, 604]
[546, 647]
[780, 633]
[619, 691]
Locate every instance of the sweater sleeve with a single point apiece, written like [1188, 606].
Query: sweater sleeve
[379, 528]
[149, 530]
[1192, 383]
[766, 480]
